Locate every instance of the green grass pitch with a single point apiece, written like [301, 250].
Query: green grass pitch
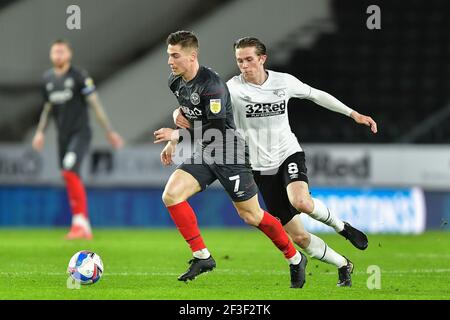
[145, 264]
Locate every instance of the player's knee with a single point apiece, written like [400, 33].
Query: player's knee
[303, 204]
[301, 239]
[69, 160]
[170, 198]
[250, 218]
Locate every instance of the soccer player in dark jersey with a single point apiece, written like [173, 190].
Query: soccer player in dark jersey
[205, 101]
[67, 92]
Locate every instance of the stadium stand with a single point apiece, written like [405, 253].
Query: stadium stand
[137, 97]
[137, 28]
[4, 3]
[400, 74]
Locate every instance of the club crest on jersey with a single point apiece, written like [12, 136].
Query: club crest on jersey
[68, 83]
[215, 105]
[195, 98]
[279, 93]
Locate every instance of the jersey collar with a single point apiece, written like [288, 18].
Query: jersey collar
[265, 83]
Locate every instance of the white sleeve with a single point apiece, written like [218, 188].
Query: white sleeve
[326, 100]
[234, 102]
[296, 88]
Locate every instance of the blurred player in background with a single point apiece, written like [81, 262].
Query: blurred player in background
[259, 98]
[67, 91]
[205, 100]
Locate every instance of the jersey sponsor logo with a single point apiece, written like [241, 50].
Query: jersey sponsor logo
[195, 98]
[60, 97]
[258, 110]
[215, 105]
[49, 86]
[191, 113]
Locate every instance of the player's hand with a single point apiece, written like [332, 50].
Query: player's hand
[38, 141]
[166, 134]
[167, 153]
[180, 120]
[365, 120]
[115, 139]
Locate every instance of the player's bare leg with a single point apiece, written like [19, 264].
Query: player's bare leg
[252, 214]
[318, 249]
[299, 197]
[179, 188]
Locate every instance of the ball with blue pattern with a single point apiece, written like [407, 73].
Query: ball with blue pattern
[85, 267]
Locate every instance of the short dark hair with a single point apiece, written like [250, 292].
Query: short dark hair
[187, 39]
[251, 42]
[61, 41]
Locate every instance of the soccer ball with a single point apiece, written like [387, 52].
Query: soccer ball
[85, 267]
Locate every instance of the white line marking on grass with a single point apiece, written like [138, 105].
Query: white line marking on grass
[28, 273]
[221, 271]
[422, 255]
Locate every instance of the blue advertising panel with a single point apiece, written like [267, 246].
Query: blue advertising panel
[371, 210]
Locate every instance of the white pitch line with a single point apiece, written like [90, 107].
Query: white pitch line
[223, 271]
[422, 255]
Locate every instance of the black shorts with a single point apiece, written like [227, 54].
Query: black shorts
[237, 179]
[273, 186]
[72, 150]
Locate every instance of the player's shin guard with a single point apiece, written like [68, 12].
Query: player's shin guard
[76, 193]
[186, 222]
[274, 230]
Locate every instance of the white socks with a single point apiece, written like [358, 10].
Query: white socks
[318, 249]
[80, 220]
[202, 254]
[322, 214]
[296, 259]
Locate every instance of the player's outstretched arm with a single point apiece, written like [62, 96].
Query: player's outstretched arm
[114, 138]
[39, 136]
[365, 120]
[326, 100]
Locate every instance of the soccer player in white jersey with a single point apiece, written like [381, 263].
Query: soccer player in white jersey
[260, 99]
